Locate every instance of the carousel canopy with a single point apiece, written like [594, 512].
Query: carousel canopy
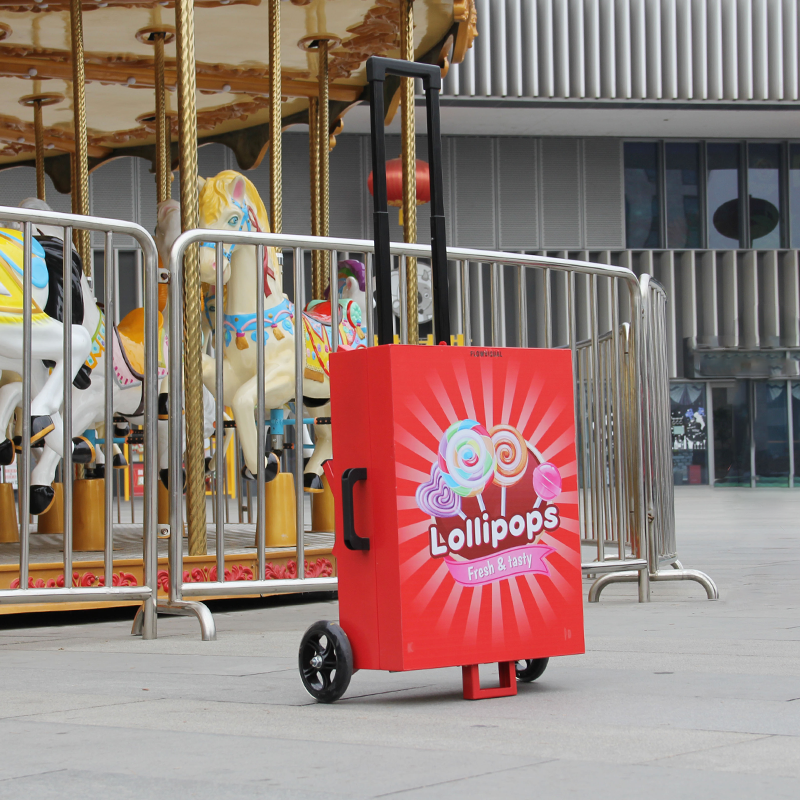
[231, 39]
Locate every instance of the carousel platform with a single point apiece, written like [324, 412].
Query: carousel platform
[47, 568]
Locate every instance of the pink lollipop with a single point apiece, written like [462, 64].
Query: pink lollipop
[546, 482]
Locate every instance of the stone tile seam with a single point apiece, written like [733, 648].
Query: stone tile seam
[751, 737]
[80, 708]
[468, 777]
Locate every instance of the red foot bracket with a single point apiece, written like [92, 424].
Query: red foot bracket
[472, 682]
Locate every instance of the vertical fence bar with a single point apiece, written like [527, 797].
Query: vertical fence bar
[573, 344]
[299, 368]
[176, 433]
[219, 391]
[24, 475]
[370, 303]
[598, 423]
[261, 411]
[522, 314]
[548, 315]
[109, 309]
[333, 283]
[495, 301]
[66, 409]
[619, 426]
[150, 519]
[401, 292]
[466, 309]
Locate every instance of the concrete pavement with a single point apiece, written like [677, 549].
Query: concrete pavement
[682, 696]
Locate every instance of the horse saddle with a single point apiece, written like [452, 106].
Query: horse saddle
[317, 325]
[128, 349]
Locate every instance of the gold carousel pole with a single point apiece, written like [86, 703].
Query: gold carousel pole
[313, 167]
[190, 216]
[80, 185]
[163, 159]
[323, 130]
[409, 160]
[275, 117]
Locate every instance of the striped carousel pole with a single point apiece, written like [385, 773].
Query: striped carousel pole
[319, 152]
[80, 185]
[275, 117]
[158, 37]
[409, 162]
[190, 217]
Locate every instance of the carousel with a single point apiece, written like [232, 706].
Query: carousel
[91, 447]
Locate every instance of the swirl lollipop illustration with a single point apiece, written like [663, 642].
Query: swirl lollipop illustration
[467, 458]
[511, 454]
[436, 498]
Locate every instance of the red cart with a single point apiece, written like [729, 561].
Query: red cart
[457, 533]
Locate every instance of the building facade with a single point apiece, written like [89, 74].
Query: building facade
[657, 134]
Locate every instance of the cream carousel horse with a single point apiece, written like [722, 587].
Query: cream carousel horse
[47, 333]
[230, 202]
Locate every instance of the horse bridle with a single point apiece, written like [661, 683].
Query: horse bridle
[248, 218]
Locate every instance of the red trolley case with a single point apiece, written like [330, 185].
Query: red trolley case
[456, 487]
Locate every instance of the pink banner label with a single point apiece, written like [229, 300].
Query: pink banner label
[506, 564]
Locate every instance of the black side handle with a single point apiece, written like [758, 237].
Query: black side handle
[377, 70]
[352, 541]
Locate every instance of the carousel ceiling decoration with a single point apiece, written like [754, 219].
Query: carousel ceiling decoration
[232, 67]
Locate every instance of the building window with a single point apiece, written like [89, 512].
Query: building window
[682, 179]
[642, 213]
[724, 212]
[764, 189]
[794, 193]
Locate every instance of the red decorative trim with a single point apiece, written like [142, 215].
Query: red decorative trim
[87, 579]
[321, 568]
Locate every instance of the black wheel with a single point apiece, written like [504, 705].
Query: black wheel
[529, 669]
[326, 661]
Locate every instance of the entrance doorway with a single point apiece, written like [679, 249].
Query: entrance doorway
[754, 424]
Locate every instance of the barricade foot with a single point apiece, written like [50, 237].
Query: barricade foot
[472, 682]
[182, 608]
[681, 574]
[138, 627]
[614, 577]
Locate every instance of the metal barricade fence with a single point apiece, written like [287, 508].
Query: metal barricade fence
[607, 402]
[75, 340]
[594, 310]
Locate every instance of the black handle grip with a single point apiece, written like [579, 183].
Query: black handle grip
[377, 70]
[352, 541]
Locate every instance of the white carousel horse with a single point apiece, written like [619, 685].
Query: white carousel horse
[47, 333]
[230, 202]
[88, 404]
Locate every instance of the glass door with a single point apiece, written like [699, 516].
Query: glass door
[771, 432]
[732, 439]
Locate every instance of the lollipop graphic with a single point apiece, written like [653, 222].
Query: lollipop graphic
[511, 452]
[546, 482]
[467, 458]
[436, 498]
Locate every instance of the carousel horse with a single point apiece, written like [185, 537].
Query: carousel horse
[230, 202]
[47, 333]
[352, 284]
[88, 404]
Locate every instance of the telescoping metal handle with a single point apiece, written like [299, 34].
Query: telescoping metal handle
[352, 541]
[377, 70]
